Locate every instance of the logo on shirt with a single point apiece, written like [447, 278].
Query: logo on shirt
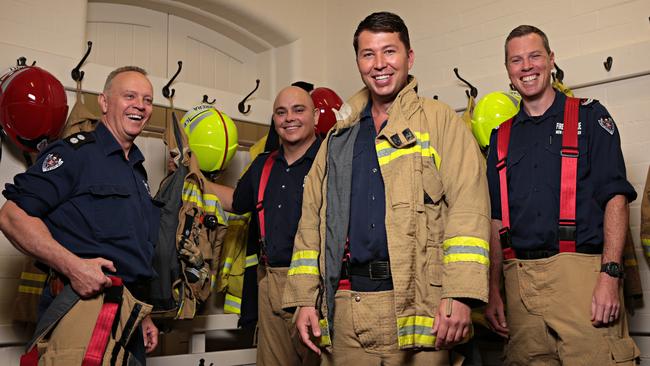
[559, 127]
[51, 162]
[608, 124]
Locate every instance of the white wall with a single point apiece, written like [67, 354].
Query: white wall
[283, 41]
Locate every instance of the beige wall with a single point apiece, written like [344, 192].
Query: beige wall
[283, 41]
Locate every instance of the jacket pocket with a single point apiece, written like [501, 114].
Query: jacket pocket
[433, 202]
[112, 215]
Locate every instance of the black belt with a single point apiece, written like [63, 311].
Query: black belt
[377, 270]
[543, 253]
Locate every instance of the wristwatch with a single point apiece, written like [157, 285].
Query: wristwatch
[613, 269]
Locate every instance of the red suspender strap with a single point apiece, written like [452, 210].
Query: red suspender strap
[264, 179]
[99, 338]
[503, 139]
[569, 177]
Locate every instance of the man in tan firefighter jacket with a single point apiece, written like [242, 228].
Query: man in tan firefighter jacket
[559, 197]
[84, 210]
[272, 190]
[391, 251]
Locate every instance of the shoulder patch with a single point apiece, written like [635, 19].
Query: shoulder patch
[51, 162]
[587, 101]
[76, 140]
[607, 123]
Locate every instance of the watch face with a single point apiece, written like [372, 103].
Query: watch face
[613, 269]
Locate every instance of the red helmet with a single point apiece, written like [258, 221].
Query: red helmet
[325, 99]
[33, 107]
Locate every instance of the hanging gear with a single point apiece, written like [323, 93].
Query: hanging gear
[212, 137]
[33, 107]
[492, 110]
[192, 227]
[325, 99]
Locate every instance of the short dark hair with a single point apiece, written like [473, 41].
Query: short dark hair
[119, 70]
[383, 22]
[524, 30]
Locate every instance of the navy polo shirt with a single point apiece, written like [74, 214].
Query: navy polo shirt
[367, 230]
[533, 171]
[282, 201]
[95, 202]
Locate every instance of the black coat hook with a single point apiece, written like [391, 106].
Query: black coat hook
[22, 61]
[559, 74]
[206, 101]
[165, 90]
[76, 73]
[473, 91]
[435, 97]
[608, 63]
[243, 108]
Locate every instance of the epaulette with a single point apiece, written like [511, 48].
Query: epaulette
[76, 140]
[587, 102]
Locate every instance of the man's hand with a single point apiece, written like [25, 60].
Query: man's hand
[150, 334]
[495, 314]
[308, 318]
[605, 304]
[87, 277]
[452, 323]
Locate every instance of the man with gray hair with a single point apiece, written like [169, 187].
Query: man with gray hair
[85, 212]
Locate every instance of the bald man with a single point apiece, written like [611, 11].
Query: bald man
[295, 119]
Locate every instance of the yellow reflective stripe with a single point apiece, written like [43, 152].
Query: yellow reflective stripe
[251, 260]
[213, 281]
[646, 246]
[386, 152]
[324, 333]
[415, 330]
[630, 262]
[38, 277]
[30, 290]
[227, 265]
[205, 201]
[304, 262]
[466, 249]
[232, 304]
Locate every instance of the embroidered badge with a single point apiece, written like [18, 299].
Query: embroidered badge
[51, 162]
[608, 124]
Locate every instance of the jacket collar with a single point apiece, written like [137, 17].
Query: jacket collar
[397, 130]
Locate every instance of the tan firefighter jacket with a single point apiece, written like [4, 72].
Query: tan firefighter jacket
[437, 214]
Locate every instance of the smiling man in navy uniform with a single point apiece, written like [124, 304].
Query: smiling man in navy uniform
[559, 197]
[84, 209]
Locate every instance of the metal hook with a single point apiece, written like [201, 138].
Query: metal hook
[206, 101]
[243, 108]
[473, 91]
[435, 97]
[22, 61]
[76, 73]
[608, 63]
[165, 90]
[559, 74]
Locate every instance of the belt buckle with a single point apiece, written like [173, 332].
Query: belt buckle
[382, 267]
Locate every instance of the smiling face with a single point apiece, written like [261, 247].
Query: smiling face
[294, 116]
[384, 64]
[529, 67]
[126, 106]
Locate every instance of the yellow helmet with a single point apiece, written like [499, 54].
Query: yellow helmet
[212, 136]
[491, 111]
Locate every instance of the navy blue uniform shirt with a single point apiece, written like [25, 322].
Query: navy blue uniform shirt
[282, 201]
[94, 201]
[533, 172]
[367, 230]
